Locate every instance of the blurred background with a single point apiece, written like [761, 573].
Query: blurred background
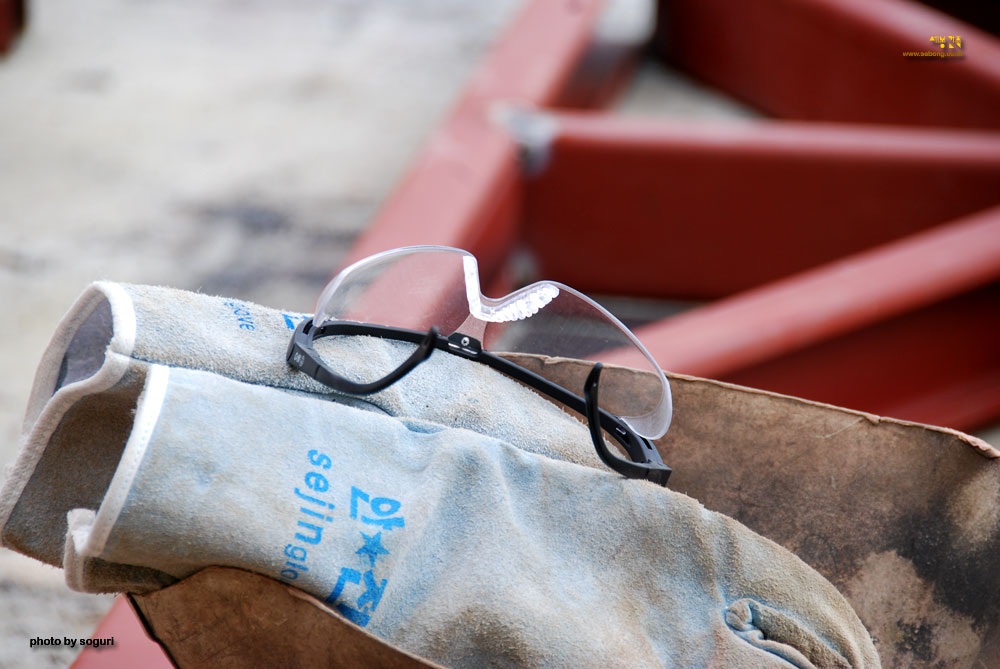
[241, 147]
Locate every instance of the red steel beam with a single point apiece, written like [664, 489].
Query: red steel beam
[938, 365]
[464, 189]
[132, 646]
[908, 329]
[12, 18]
[836, 60]
[703, 210]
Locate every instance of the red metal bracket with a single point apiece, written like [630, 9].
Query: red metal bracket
[12, 20]
[704, 210]
[908, 329]
[132, 646]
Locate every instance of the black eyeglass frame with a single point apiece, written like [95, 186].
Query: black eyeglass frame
[646, 462]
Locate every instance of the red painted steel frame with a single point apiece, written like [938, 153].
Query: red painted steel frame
[907, 330]
[939, 364]
[703, 210]
[837, 60]
[133, 647]
[12, 15]
[783, 197]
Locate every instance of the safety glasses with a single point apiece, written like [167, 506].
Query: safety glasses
[428, 299]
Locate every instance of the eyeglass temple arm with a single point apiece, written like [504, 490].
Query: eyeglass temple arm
[648, 465]
[302, 355]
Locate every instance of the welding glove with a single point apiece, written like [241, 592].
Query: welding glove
[452, 544]
[94, 368]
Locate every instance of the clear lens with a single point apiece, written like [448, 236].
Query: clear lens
[418, 287]
[405, 288]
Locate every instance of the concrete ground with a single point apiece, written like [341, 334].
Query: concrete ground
[233, 147]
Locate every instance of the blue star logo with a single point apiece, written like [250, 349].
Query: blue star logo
[373, 547]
